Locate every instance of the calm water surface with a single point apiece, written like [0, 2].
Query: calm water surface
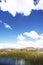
[17, 62]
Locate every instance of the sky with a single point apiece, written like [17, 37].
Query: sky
[21, 23]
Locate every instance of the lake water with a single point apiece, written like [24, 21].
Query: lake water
[16, 62]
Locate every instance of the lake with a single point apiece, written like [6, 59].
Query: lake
[16, 62]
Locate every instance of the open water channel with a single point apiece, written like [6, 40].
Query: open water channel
[16, 62]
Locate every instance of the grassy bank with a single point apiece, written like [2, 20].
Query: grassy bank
[31, 55]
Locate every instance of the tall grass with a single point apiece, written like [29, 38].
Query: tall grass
[30, 55]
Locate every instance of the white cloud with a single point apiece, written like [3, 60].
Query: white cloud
[7, 45]
[41, 36]
[39, 43]
[40, 5]
[22, 42]
[20, 37]
[21, 6]
[18, 44]
[18, 6]
[7, 26]
[32, 34]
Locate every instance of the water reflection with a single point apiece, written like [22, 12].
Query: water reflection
[20, 62]
[11, 62]
[17, 62]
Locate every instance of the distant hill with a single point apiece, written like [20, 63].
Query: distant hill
[32, 48]
[27, 48]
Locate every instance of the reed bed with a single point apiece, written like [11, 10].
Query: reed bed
[29, 55]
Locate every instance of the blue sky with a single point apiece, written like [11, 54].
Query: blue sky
[21, 24]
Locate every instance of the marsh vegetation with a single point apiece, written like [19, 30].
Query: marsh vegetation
[32, 56]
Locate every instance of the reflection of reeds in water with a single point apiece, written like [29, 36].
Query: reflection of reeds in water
[20, 62]
[33, 56]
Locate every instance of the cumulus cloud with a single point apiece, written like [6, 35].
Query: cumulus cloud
[21, 37]
[18, 6]
[40, 5]
[41, 36]
[22, 42]
[32, 34]
[7, 26]
[21, 6]
[37, 43]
